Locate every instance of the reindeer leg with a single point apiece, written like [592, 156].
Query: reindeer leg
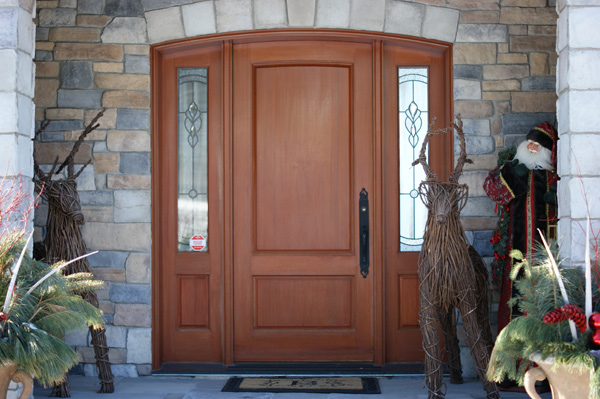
[483, 312]
[448, 326]
[431, 346]
[480, 352]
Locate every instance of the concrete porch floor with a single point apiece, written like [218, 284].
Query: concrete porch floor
[209, 387]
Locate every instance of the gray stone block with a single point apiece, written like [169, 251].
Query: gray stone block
[522, 123]
[79, 98]
[135, 163]
[133, 119]
[158, 4]
[476, 145]
[57, 17]
[137, 64]
[41, 34]
[52, 136]
[133, 315]
[76, 75]
[123, 370]
[62, 126]
[482, 244]
[125, 30]
[130, 8]
[86, 181]
[477, 127]
[474, 72]
[482, 33]
[144, 369]
[130, 293]
[112, 259]
[43, 55]
[132, 206]
[116, 336]
[513, 140]
[96, 198]
[539, 83]
[90, 7]
[100, 146]
[479, 206]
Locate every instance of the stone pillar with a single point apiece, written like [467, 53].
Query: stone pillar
[17, 46]
[578, 89]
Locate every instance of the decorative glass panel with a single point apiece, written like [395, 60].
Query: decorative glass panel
[413, 119]
[192, 157]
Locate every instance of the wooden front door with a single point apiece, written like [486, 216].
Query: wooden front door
[302, 152]
[291, 128]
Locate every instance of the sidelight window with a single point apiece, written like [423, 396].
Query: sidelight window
[413, 119]
[192, 160]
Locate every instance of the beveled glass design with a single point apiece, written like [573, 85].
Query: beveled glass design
[413, 115]
[192, 158]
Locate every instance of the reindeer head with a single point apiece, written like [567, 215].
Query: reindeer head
[444, 199]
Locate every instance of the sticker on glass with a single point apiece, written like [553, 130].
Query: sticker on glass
[197, 242]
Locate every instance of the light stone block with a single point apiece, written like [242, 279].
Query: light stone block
[562, 114]
[139, 345]
[562, 28]
[582, 76]
[564, 155]
[584, 29]
[25, 31]
[199, 18]
[404, 18]
[164, 25]
[138, 268]
[133, 315]
[585, 189]
[78, 337]
[367, 15]
[482, 33]
[580, 117]
[477, 127]
[128, 140]
[233, 15]
[86, 180]
[125, 30]
[269, 14]
[584, 151]
[132, 206]
[116, 336]
[440, 23]
[474, 179]
[9, 119]
[117, 236]
[301, 12]
[333, 13]
[467, 89]
[26, 110]
[8, 66]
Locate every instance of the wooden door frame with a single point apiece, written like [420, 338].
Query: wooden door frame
[227, 41]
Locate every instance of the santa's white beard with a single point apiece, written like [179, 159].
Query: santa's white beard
[534, 160]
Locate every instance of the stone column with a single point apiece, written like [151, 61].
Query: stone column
[578, 89]
[17, 46]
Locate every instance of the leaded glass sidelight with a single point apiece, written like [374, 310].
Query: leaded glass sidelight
[412, 121]
[192, 160]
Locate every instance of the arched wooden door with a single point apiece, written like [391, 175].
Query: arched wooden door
[262, 146]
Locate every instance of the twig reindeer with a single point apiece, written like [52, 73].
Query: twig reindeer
[452, 276]
[64, 241]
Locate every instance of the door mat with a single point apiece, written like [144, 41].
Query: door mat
[350, 385]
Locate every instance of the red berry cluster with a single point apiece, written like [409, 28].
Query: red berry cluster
[567, 312]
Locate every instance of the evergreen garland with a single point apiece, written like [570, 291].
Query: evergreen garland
[529, 334]
[34, 325]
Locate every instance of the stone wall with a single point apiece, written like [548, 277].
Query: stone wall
[92, 54]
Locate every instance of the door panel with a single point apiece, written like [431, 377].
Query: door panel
[402, 333]
[302, 152]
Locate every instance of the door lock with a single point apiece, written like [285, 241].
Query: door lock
[363, 222]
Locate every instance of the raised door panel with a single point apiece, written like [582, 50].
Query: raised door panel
[302, 151]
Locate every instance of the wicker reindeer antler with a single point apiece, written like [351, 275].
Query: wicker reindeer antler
[422, 159]
[462, 159]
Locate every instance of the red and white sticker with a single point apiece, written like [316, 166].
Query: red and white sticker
[198, 242]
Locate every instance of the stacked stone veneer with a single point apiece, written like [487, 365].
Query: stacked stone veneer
[92, 54]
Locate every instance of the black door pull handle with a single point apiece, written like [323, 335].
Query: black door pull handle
[363, 221]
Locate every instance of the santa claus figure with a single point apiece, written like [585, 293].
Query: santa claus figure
[525, 189]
